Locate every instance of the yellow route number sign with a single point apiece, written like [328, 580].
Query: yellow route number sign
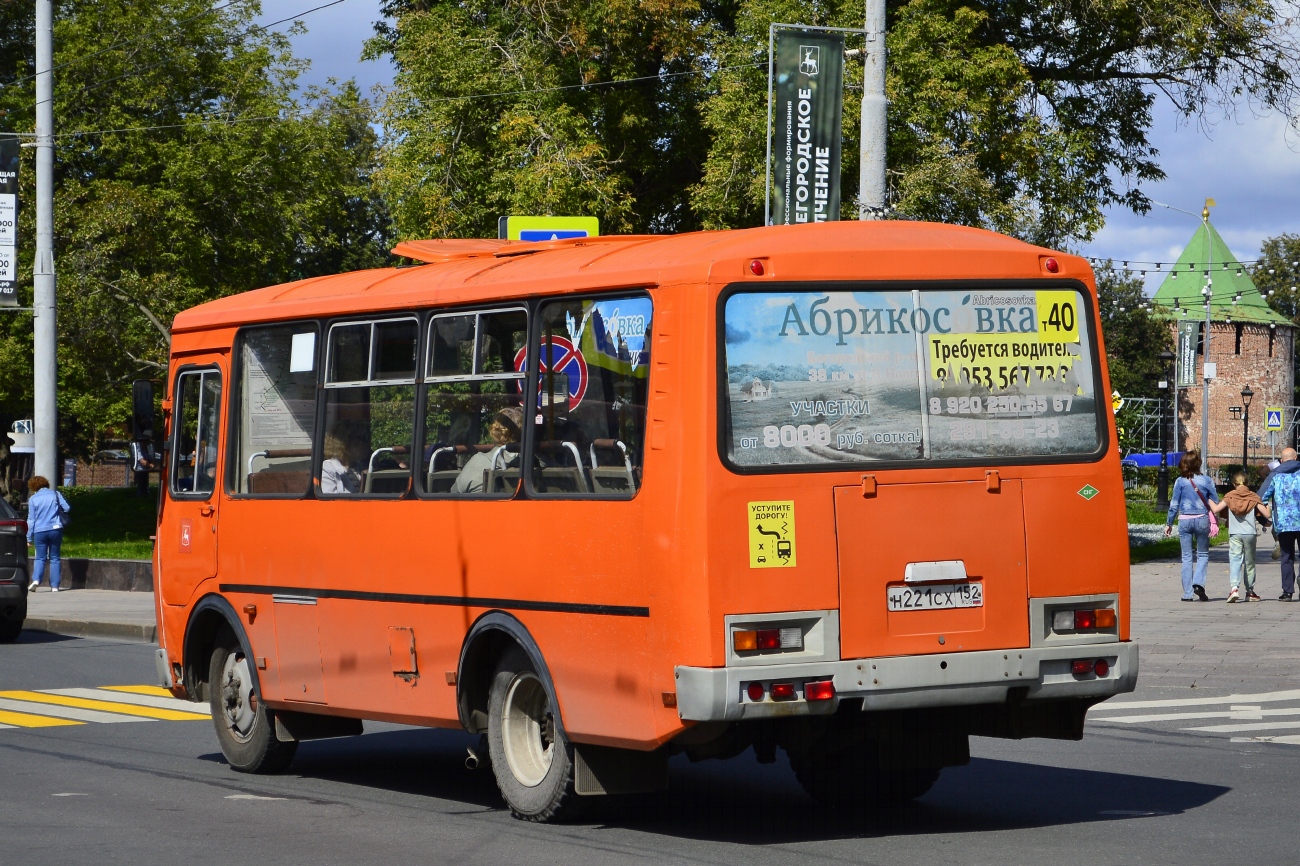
[771, 534]
[1058, 317]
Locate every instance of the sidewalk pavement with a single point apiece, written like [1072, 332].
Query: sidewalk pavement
[1238, 648]
[93, 613]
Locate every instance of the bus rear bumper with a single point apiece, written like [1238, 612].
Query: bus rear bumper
[909, 682]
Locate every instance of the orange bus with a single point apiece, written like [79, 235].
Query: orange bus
[847, 489]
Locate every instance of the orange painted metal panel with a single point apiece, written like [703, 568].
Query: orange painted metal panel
[906, 523]
[680, 548]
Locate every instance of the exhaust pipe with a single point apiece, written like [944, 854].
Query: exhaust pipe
[478, 758]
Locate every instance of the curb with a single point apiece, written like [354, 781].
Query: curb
[83, 628]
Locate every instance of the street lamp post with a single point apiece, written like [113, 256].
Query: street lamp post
[1246, 394]
[1162, 474]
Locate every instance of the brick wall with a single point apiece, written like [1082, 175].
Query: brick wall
[104, 473]
[1261, 358]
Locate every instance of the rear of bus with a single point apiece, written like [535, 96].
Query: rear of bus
[933, 541]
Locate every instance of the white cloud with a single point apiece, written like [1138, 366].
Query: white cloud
[1246, 164]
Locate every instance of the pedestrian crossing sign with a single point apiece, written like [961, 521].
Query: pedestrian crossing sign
[1273, 418]
[547, 228]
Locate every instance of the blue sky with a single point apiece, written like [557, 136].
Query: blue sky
[1245, 163]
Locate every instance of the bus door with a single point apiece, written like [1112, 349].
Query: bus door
[188, 534]
[931, 568]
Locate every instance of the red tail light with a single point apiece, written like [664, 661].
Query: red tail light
[822, 691]
[769, 638]
[755, 691]
[21, 524]
[1079, 667]
[783, 691]
[1085, 619]
[1102, 667]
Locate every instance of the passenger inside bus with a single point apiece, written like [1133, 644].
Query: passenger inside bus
[482, 465]
[336, 472]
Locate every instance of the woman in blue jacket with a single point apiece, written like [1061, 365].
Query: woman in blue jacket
[46, 514]
[1189, 501]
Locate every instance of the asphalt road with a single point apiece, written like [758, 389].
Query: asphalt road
[1157, 789]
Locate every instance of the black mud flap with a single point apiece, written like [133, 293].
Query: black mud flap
[602, 770]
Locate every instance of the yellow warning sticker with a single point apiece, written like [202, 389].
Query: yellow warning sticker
[771, 535]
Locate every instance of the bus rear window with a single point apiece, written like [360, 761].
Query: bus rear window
[823, 378]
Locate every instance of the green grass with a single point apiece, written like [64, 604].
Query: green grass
[1144, 512]
[110, 523]
[1168, 548]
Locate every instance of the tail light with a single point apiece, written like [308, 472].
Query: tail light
[756, 691]
[21, 525]
[1083, 667]
[748, 640]
[783, 692]
[1084, 620]
[819, 691]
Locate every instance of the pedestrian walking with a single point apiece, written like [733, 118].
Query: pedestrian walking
[1190, 501]
[1281, 493]
[47, 515]
[1241, 504]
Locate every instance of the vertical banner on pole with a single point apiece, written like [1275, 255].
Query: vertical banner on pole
[808, 100]
[9, 157]
[1188, 335]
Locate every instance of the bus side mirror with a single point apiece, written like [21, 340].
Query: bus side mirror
[143, 456]
[142, 410]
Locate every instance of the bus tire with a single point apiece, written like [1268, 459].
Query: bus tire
[245, 727]
[853, 779]
[531, 757]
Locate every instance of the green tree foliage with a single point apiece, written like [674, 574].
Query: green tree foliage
[1134, 338]
[541, 143]
[226, 179]
[1025, 116]
[1277, 275]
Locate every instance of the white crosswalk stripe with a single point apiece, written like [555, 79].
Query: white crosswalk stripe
[1238, 714]
[58, 712]
[138, 700]
[62, 708]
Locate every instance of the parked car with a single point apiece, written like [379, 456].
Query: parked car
[13, 573]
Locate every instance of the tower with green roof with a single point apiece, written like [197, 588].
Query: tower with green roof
[1250, 344]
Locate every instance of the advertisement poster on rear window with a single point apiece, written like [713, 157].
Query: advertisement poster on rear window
[860, 376]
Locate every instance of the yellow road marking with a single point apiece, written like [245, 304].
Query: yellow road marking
[140, 690]
[107, 706]
[27, 720]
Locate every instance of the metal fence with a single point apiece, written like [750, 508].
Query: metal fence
[1142, 421]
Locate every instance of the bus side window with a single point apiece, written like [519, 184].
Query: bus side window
[277, 411]
[593, 380]
[473, 407]
[194, 466]
[369, 409]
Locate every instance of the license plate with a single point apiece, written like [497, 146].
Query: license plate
[934, 596]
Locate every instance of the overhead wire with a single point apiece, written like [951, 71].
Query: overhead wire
[245, 32]
[262, 118]
[116, 45]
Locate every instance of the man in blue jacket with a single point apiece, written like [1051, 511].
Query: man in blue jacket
[1281, 491]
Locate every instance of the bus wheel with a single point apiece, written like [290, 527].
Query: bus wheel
[531, 758]
[852, 779]
[245, 727]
